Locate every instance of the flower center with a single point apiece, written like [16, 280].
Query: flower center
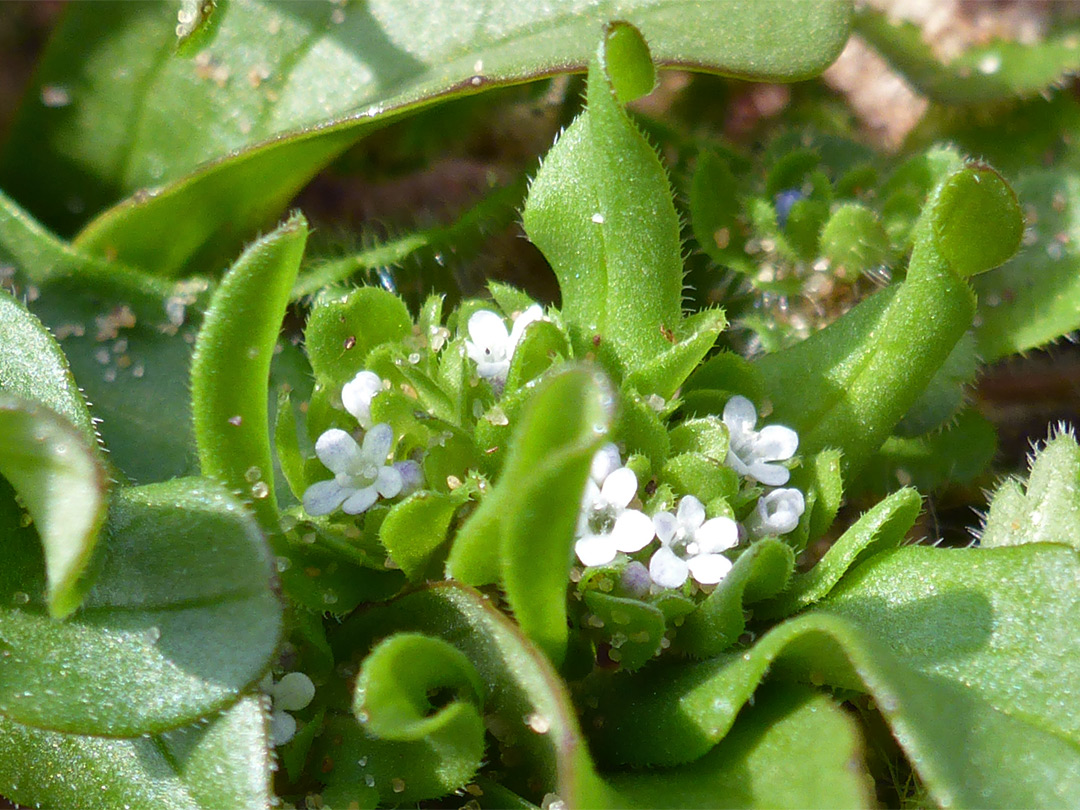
[363, 477]
[602, 518]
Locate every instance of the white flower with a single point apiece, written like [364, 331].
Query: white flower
[691, 546]
[777, 513]
[291, 694]
[357, 394]
[361, 475]
[751, 451]
[490, 346]
[605, 525]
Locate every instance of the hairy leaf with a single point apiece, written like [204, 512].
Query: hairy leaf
[230, 371]
[1045, 509]
[960, 660]
[600, 210]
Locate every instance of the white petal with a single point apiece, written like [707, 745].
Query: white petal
[357, 394]
[718, 534]
[633, 530]
[667, 570]
[488, 331]
[389, 482]
[360, 501]
[324, 497]
[476, 353]
[377, 443]
[740, 415]
[282, 728]
[492, 370]
[779, 511]
[591, 494]
[620, 487]
[293, 692]
[771, 475]
[595, 549]
[691, 513]
[529, 316]
[338, 451]
[665, 525]
[776, 443]
[708, 569]
[736, 463]
[604, 463]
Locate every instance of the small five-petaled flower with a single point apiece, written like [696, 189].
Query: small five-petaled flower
[361, 473]
[491, 347]
[753, 453]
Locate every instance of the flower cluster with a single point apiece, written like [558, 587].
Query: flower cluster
[361, 472]
[691, 545]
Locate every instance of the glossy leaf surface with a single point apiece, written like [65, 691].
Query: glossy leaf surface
[63, 483]
[180, 620]
[126, 337]
[223, 763]
[255, 83]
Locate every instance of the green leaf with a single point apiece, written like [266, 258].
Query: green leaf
[287, 446]
[752, 767]
[633, 629]
[996, 71]
[565, 424]
[1047, 508]
[272, 133]
[220, 763]
[600, 210]
[958, 656]
[944, 396]
[196, 24]
[410, 750]
[977, 221]
[664, 374]
[179, 622]
[64, 484]
[124, 335]
[822, 484]
[541, 345]
[527, 704]
[230, 371]
[33, 367]
[854, 241]
[715, 210]
[880, 528]
[860, 375]
[415, 528]
[760, 572]
[957, 455]
[555, 432]
[343, 329]
[1035, 298]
